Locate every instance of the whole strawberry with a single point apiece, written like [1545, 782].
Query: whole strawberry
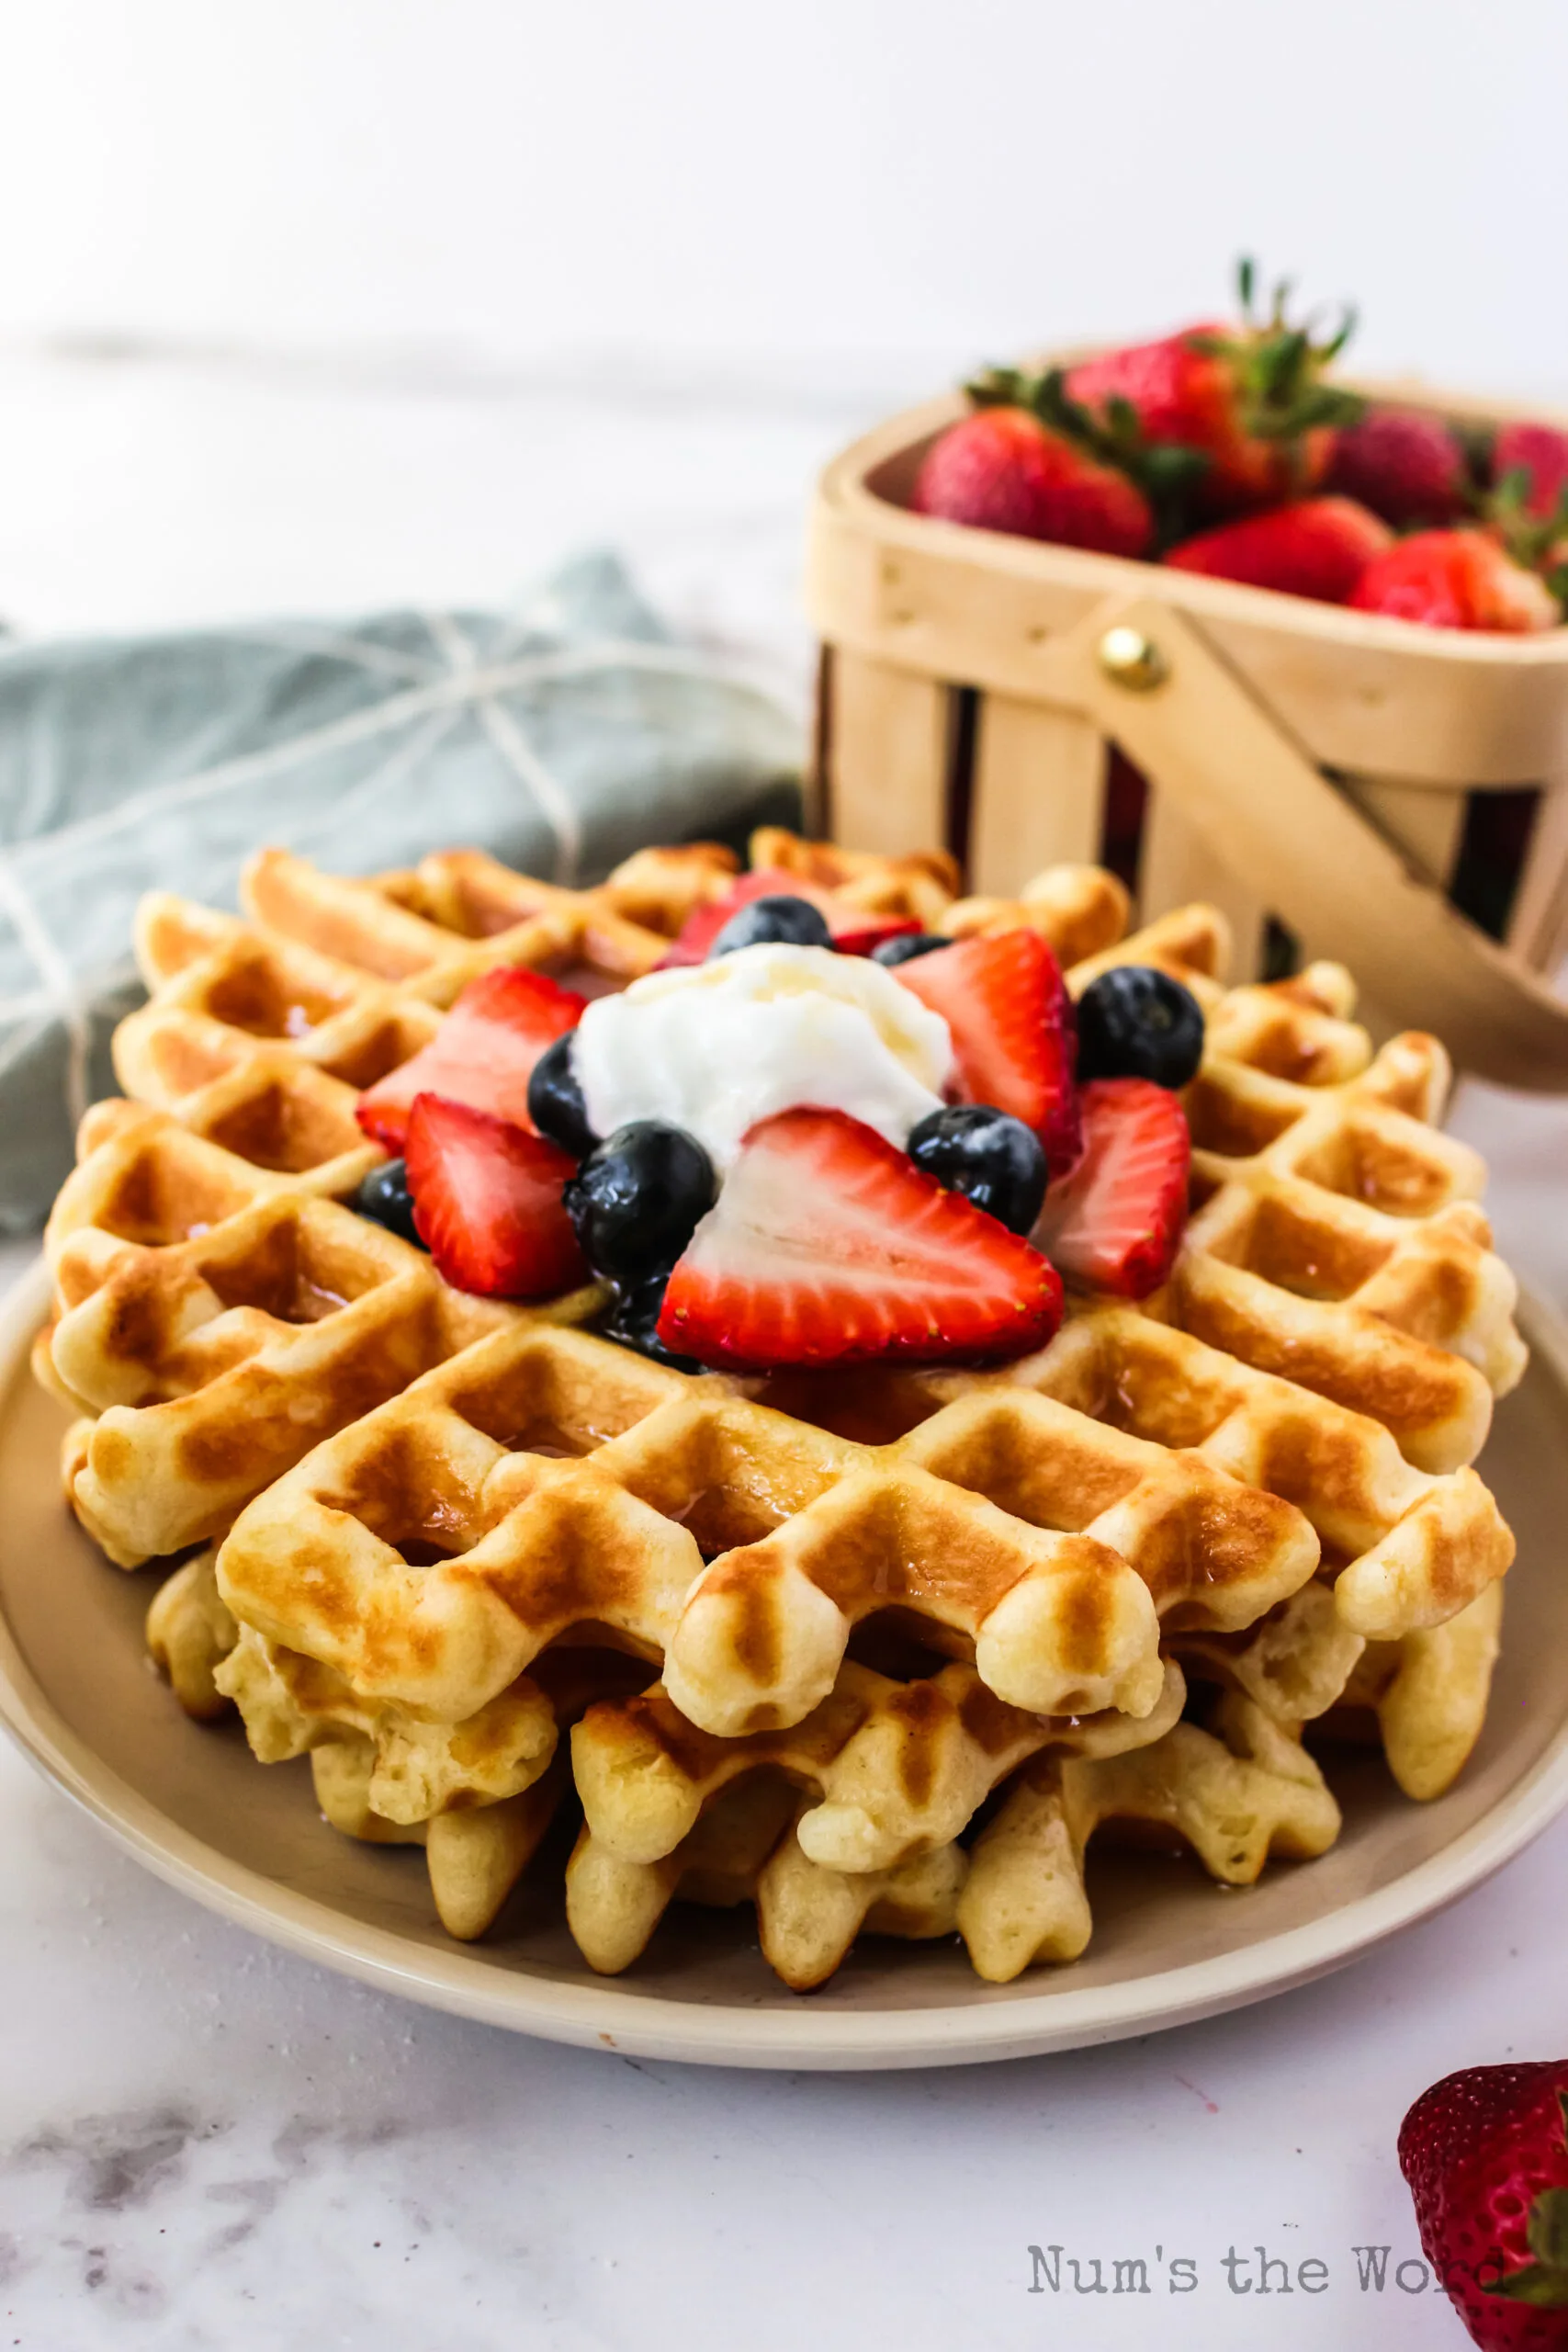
[1406, 465]
[1456, 580]
[1319, 548]
[1003, 469]
[1249, 399]
[1537, 456]
[1485, 2154]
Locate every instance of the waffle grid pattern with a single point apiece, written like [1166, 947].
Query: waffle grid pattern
[435, 1511]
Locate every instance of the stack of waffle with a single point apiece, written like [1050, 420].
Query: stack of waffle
[875, 1652]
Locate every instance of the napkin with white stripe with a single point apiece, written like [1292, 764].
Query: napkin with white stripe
[559, 738]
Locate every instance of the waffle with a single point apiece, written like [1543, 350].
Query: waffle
[1427, 1695]
[479, 1796]
[1236, 1793]
[212, 1301]
[474, 1858]
[896, 1767]
[744, 1849]
[212, 1363]
[435, 1531]
[433, 1551]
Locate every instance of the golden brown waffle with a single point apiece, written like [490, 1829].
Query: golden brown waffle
[1427, 1695]
[475, 1858]
[215, 1362]
[1258, 1475]
[1336, 1239]
[744, 1849]
[1409, 1547]
[177, 1311]
[1236, 1794]
[433, 1551]
[478, 1796]
[896, 1767]
[922, 885]
[190, 1631]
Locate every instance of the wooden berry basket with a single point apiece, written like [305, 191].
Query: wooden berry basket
[1340, 784]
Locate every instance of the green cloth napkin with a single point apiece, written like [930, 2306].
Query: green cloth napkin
[560, 739]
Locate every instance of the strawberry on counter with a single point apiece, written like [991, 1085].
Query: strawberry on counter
[1485, 2154]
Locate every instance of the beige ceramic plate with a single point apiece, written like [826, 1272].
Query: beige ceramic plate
[76, 1691]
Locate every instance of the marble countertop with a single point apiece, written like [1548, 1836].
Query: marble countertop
[205, 2142]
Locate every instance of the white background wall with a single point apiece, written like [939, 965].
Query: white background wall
[847, 190]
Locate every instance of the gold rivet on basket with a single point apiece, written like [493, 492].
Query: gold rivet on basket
[1133, 660]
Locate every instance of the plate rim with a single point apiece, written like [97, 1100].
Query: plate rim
[607, 2015]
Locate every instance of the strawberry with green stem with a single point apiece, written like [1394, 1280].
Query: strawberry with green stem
[1004, 468]
[1485, 2154]
[1535, 456]
[1250, 400]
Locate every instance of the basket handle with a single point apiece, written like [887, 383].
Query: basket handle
[1198, 732]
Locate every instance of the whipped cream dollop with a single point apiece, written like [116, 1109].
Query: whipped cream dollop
[713, 1048]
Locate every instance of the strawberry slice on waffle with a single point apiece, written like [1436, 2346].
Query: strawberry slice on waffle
[1006, 1004]
[483, 1053]
[1116, 1224]
[854, 932]
[488, 1203]
[828, 1246]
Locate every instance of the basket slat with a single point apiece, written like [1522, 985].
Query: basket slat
[1427, 825]
[888, 757]
[1538, 926]
[1038, 793]
[1178, 864]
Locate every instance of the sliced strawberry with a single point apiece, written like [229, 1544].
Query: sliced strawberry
[483, 1052]
[855, 932]
[1115, 1224]
[1003, 997]
[828, 1246]
[488, 1201]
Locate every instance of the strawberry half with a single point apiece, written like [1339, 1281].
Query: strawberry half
[482, 1054]
[828, 1246]
[855, 932]
[1003, 997]
[486, 1200]
[1115, 1224]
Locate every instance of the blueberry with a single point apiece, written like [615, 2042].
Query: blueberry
[632, 1319]
[635, 1200]
[908, 943]
[555, 1101]
[384, 1194]
[1136, 1023]
[796, 922]
[995, 1161]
